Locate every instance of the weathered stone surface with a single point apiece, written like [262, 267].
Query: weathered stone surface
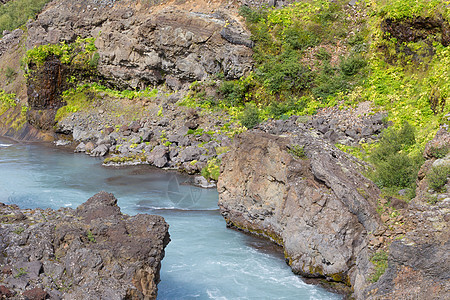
[100, 150]
[140, 45]
[44, 87]
[158, 156]
[93, 252]
[318, 207]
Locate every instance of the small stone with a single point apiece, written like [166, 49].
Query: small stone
[5, 292]
[35, 294]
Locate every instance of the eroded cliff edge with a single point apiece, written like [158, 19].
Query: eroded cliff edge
[306, 196]
[284, 182]
[93, 252]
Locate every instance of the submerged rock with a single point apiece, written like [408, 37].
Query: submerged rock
[93, 252]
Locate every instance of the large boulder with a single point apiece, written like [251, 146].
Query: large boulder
[305, 195]
[93, 252]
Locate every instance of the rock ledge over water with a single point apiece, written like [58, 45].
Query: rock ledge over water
[93, 252]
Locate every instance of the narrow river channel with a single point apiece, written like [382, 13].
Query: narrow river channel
[204, 260]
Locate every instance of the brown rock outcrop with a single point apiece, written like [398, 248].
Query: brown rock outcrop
[93, 252]
[141, 43]
[418, 263]
[305, 195]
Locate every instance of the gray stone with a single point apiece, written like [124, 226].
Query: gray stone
[81, 147]
[87, 247]
[202, 182]
[158, 156]
[100, 150]
[191, 153]
[319, 208]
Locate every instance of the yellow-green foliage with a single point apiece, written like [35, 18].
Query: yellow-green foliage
[16, 13]
[6, 101]
[399, 9]
[81, 97]
[75, 99]
[212, 170]
[130, 94]
[80, 52]
[380, 261]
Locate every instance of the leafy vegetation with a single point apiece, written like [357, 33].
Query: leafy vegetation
[6, 101]
[212, 169]
[297, 151]
[82, 96]
[16, 13]
[81, 52]
[438, 177]
[380, 261]
[393, 166]
[250, 116]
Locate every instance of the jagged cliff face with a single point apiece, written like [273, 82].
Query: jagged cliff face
[318, 207]
[142, 43]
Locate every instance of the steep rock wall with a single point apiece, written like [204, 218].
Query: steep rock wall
[142, 43]
[316, 205]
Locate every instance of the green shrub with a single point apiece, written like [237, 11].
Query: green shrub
[438, 177]
[297, 151]
[233, 92]
[16, 13]
[439, 152]
[380, 261]
[212, 169]
[10, 73]
[253, 15]
[323, 54]
[299, 38]
[393, 166]
[250, 117]
[351, 65]
[81, 52]
[284, 72]
[286, 108]
[397, 170]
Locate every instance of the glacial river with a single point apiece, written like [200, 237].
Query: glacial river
[204, 260]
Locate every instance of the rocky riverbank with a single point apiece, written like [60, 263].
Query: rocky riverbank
[93, 252]
[333, 223]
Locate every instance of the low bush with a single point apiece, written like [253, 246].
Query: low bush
[438, 177]
[284, 72]
[233, 92]
[250, 116]
[393, 166]
[380, 261]
[212, 169]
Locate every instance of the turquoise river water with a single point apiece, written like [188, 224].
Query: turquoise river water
[204, 260]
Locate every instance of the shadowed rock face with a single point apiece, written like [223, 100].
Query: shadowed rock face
[141, 44]
[93, 252]
[318, 207]
[44, 88]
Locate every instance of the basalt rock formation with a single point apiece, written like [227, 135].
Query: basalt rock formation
[285, 182]
[305, 195]
[93, 252]
[142, 43]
